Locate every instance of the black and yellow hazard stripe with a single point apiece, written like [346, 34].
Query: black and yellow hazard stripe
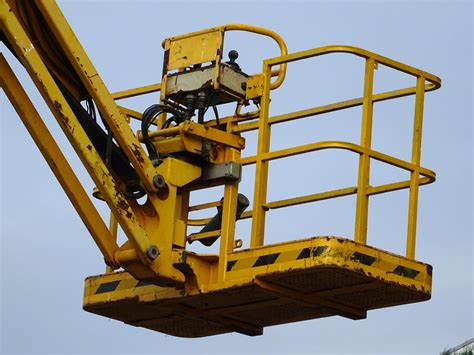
[269, 259]
[320, 252]
[397, 269]
[119, 285]
[355, 257]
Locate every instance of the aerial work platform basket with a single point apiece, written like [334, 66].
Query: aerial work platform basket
[277, 284]
[154, 279]
[245, 291]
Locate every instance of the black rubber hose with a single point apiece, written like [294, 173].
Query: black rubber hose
[119, 164]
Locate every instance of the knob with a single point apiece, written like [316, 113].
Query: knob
[233, 55]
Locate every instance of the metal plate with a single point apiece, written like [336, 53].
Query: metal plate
[186, 52]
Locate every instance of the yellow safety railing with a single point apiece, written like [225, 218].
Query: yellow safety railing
[418, 175]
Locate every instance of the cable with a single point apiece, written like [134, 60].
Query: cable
[168, 122]
[214, 108]
[149, 116]
[115, 159]
[91, 109]
[216, 113]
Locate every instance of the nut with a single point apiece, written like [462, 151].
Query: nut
[159, 181]
[152, 252]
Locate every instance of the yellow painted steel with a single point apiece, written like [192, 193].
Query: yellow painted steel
[363, 190]
[188, 51]
[198, 236]
[261, 165]
[198, 36]
[125, 94]
[113, 227]
[228, 219]
[57, 162]
[255, 86]
[314, 300]
[336, 251]
[203, 206]
[141, 236]
[215, 135]
[362, 208]
[97, 89]
[416, 155]
[377, 272]
[336, 248]
[326, 108]
[161, 221]
[71, 127]
[130, 113]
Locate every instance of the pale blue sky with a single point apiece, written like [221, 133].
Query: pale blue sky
[46, 251]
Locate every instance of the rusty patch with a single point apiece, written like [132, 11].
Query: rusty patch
[89, 147]
[59, 108]
[121, 203]
[137, 153]
[117, 191]
[57, 105]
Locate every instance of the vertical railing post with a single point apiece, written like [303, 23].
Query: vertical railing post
[415, 159]
[261, 166]
[229, 208]
[362, 204]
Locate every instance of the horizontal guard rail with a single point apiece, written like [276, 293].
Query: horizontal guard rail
[373, 190]
[429, 176]
[341, 105]
[307, 148]
[419, 175]
[388, 95]
[358, 52]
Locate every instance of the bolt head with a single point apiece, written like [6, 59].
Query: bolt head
[152, 252]
[159, 181]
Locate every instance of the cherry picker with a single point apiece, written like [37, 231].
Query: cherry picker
[146, 177]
